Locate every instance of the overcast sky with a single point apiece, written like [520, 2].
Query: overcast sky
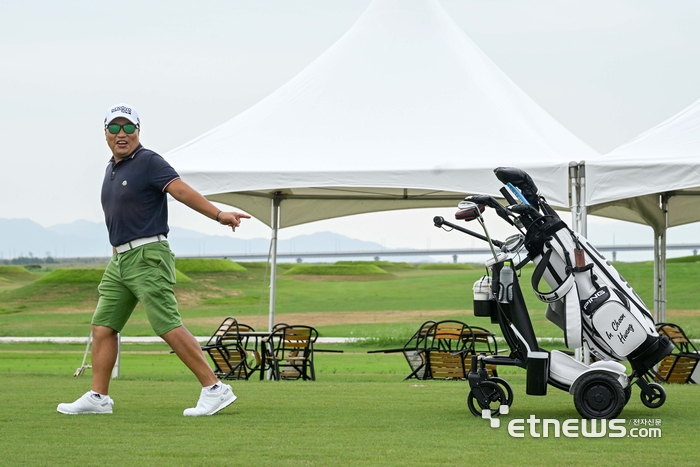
[606, 69]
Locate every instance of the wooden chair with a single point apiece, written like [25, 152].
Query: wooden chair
[440, 349]
[223, 329]
[414, 352]
[446, 365]
[289, 352]
[229, 362]
[677, 336]
[449, 346]
[679, 366]
[234, 354]
[446, 345]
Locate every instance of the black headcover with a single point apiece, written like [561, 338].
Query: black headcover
[521, 180]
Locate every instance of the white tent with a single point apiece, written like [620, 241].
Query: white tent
[404, 111]
[653, 179]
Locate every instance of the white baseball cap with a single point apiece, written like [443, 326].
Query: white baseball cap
[122, 110]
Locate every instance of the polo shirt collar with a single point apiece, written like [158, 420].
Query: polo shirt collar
[133, 154]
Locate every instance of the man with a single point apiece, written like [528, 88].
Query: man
[142, 268]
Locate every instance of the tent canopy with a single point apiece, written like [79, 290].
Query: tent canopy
[404, 111]
[654, 179]
[627, 183]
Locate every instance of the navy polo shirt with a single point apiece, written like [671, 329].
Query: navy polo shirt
[133, 196]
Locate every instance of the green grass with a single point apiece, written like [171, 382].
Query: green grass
[181, 277]
[61, 302]
[446, 266]
[71, 277]
[380, 264]
[336, 269]
[359, 412]
[188, 266]
[253, 264]
[13, 270]
[684, 259]
[59, 289]
[13, 277]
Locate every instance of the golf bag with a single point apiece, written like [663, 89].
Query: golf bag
[587, 298]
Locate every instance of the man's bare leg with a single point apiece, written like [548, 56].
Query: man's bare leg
[190, 352]
[104, 356]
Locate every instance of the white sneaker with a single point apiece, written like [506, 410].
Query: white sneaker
[87, 404]
[211, 402]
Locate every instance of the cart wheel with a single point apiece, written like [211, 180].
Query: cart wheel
[657, 399]
[496, 398]
[599, 395]
[506, 389]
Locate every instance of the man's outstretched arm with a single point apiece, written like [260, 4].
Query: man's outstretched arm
[188, 196]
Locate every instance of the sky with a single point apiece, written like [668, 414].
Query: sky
[608, 70]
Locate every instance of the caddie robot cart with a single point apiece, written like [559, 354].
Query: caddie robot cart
[588, 299]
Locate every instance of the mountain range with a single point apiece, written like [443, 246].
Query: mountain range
[23, 237]
[84, 239]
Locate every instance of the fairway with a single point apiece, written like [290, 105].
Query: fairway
[352, 303]
[360, 411]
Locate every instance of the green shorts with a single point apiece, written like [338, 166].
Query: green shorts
[145, 274]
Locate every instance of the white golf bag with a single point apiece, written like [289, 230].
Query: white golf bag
[588, 299]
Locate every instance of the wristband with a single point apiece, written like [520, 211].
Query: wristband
[217, 217]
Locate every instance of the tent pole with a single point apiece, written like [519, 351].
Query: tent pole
[573, 194]
[662, 254]
[273, 266]
[656, 276]
[583, 210]
[580, 354]
[583, 227]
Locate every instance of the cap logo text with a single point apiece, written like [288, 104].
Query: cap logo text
[122, 109]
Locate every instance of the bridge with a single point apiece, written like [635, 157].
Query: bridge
[374, 254]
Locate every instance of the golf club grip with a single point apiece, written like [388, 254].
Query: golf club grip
[508, 197]
[517, 193]
[497, 243]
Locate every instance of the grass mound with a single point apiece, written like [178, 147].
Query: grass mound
[682, 259]
[446, 266]
[335, 269]
[253, 264]
[379, 264]
[189, 266]
[86, 276]
[6, 270]
[72, 277]
[181, 277]
[62, 288]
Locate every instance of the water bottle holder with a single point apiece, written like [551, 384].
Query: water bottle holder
[484, 308]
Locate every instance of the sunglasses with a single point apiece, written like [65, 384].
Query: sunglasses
[128, 128]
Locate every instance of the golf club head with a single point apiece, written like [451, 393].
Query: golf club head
[468, 211]
[81, 370]
[521, 180]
